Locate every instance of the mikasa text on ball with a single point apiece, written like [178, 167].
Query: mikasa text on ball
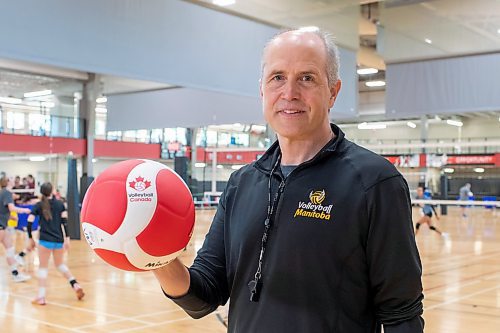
[138, 215]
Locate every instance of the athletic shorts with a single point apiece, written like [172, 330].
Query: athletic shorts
[428, 214]
[51, 245]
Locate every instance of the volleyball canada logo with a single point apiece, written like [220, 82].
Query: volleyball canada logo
[140, 185]
[314, 207]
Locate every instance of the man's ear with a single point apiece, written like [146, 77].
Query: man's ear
[260, 87]
[334, 92]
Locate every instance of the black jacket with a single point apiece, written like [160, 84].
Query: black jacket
[341, 254]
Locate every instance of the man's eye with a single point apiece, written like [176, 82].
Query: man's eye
[307, 78]
[278, 77]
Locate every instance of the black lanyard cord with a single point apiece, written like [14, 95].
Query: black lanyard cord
[255, 285]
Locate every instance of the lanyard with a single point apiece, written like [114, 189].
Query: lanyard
[255, 285]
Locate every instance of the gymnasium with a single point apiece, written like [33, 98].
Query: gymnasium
[85, 85]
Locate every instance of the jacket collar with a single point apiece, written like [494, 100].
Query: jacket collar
[266, 162]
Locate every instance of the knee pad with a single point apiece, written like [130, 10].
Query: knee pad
[62, 268]
[417, 226]
[42, 273]
[432, 227]
[10, 252]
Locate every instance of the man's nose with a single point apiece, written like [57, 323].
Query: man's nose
[291, 90]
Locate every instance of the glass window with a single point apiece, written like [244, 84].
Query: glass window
[156, 135]
[175, 135]
[142, 135]
[114, 135]
[15, 120]
[211, 138]
[39, 122]
[224, 139]
[100, 126]
[241, 139]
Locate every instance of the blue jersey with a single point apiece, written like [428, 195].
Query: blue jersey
[427, 208]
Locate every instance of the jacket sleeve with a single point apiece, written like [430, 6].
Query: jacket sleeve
[208, 282]
[395, 270]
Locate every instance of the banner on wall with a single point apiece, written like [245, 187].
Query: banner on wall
[471, 159]
[405, 161]
[435, 160]
[440, 160]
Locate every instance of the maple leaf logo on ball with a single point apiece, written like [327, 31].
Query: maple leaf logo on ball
[140, 184]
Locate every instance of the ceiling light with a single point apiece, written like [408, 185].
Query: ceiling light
[223, 3]
[219, 166]
[259, 128]
[366, 71]
[411, 124]
[449, 170]
[37, 158]
[454, 122]
[101, 100]
[479, 170]
[10, 100]
[498, 31]
[94, 160]
[428, 41]
[38, 93]
[101, 110]
[236, 166]
[48, 104]
[200, 165]
[366, 125]
[375, 83]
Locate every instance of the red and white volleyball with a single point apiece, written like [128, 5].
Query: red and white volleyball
[138, 215]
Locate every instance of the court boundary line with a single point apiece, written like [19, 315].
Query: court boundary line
[454, 300]
[75, 308]
[120, 320]
[25, 318]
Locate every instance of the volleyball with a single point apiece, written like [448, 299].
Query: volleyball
[138, 215]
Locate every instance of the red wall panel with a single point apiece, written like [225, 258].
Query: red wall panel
[41, 144]
[47, 145]
[126, 149]
[229, 157]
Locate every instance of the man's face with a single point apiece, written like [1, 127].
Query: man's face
[420, 191]
[294, 87]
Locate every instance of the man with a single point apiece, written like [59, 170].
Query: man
[465, 193]
[315, 236]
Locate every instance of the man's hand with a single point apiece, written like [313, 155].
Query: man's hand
[173, 278]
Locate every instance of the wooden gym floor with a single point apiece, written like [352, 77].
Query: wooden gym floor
[461, 286]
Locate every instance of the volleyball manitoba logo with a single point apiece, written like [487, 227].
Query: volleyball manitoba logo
[317, 197]
[314, 207]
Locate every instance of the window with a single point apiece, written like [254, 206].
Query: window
[15, 120]
[39, 122]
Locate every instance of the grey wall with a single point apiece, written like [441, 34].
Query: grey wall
[168, 41]
[180, 107]
[452, 85]
[157, 40]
